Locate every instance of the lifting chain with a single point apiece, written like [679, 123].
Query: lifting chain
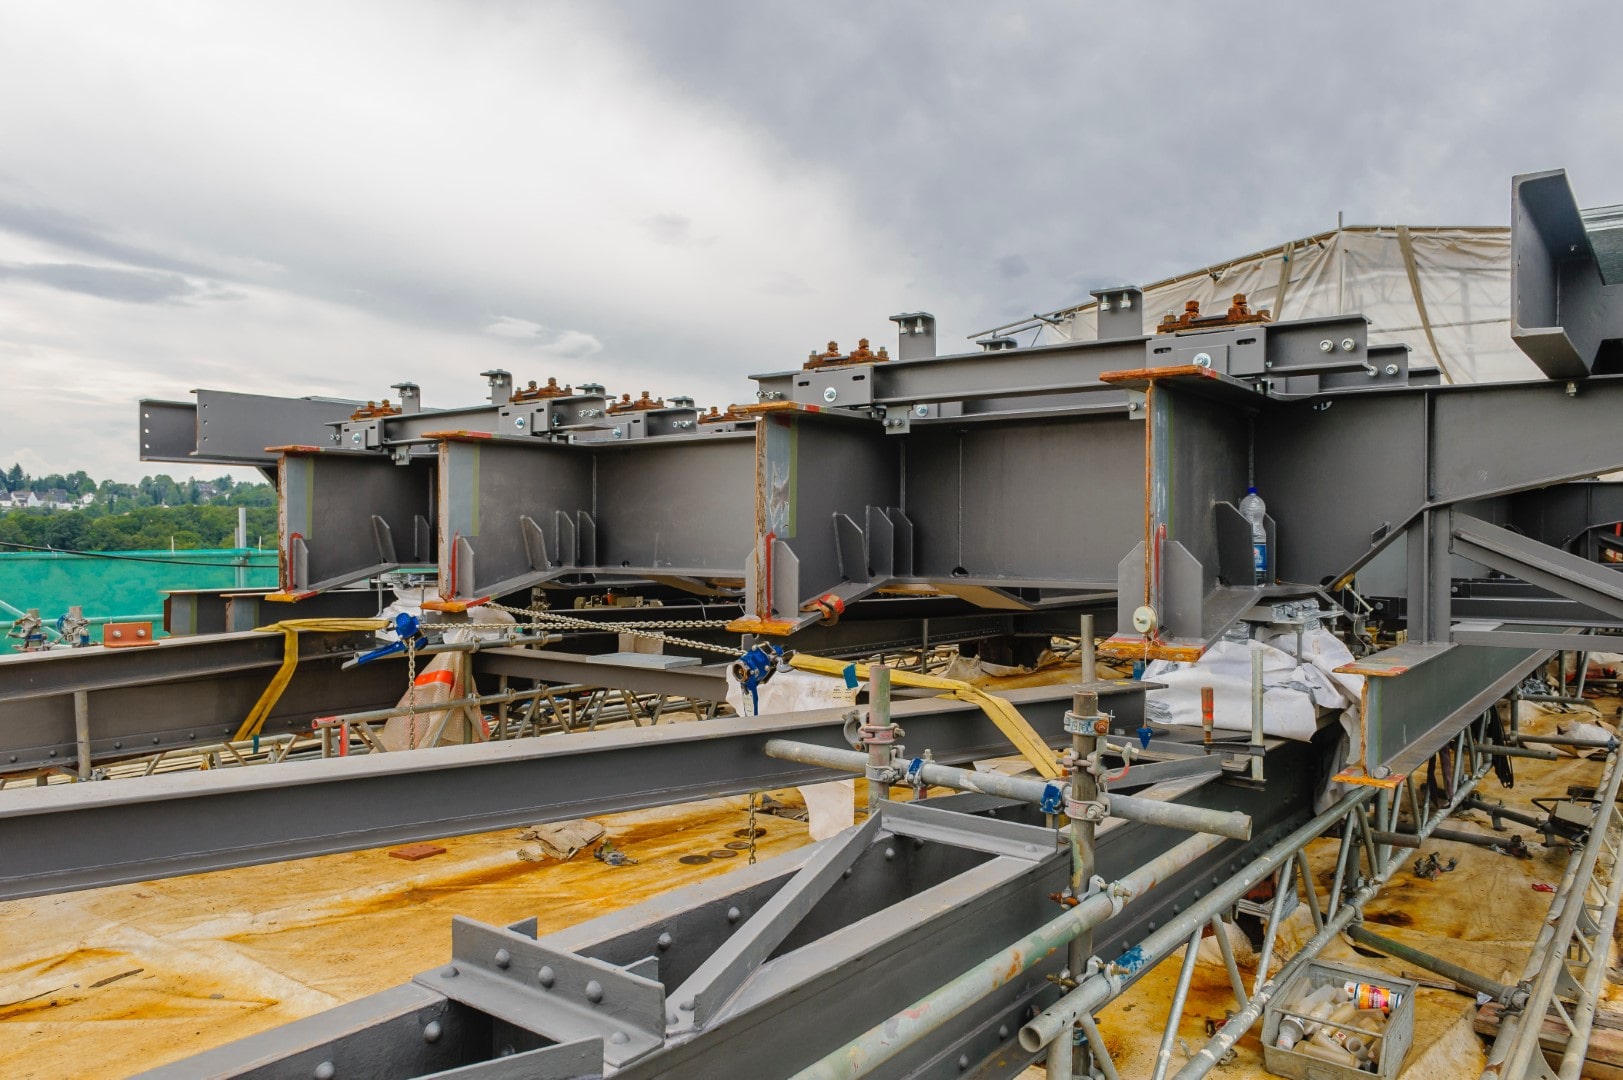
[639, 629]
[750, 828]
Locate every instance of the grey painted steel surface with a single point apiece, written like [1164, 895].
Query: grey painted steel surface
[176, 693]
[1562, 306]
[707, 682]
[82, 836]
[236, 429]
[905, 919]
[882, 1042]
[345, 516]
[196, 690]
[514, 513]
[1236, 826]
[1588, 582]
[1427, 694]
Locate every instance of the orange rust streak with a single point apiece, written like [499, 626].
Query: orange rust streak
[1145, 374]
[1375, 670]
[295, 449]
[1149, 501]
[774, 627]
[1389, 783]
[454, 605]
[1129, 648]
[458, 435]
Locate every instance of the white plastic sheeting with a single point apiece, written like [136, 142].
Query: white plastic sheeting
[1459, 289]
[830, 807]
[1295, 692]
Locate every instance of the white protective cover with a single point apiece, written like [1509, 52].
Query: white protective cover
[1293, 693]
[830, 807]
[1463, 275]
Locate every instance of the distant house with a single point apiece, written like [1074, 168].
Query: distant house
[57, 499]
[22, 499]
[87, 498]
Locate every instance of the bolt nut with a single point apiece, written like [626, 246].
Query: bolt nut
[1203, 360]
[518, 422]
[829, 394]
[921, 410]
[594, 991]
[1391, 369]
[1348, 344]
[1326, 345]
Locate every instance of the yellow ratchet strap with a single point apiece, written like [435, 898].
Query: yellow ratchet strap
[290, 629]
[1004, 715]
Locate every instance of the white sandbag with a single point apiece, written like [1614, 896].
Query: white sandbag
[830, 807]
[407, 601]
[1597, 731]
[789, 691]
[1293, 693]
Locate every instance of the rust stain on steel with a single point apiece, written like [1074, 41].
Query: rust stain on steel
[296, 448]
[1136, 648]
[458, 435]
[734, 413]
[541, 393]
[1149, 375]
[1239, 314]
[1365, 780]
[773, 627]
[454, 605]
[831, 357]
[373, 409]
[1372, 668]
[641, 404]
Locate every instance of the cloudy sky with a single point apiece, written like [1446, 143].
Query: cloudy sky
[326, 198]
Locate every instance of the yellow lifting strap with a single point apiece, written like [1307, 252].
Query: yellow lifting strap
[1004, 715]
[290, 629]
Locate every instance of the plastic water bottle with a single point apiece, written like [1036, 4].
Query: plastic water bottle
[1253, 510]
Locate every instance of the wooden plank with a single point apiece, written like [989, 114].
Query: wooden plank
[1603, 1057]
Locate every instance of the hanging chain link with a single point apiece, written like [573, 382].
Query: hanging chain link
[649, 629]
[754, 795]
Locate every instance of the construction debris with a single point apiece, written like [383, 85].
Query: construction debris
[560, 839]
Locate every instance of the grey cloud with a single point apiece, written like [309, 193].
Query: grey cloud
[1012, 266]
[108, 283]
[74, 233]
[675, 230]
[1151, 139]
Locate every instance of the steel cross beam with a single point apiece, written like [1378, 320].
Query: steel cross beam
[516, 512]
[710, 980]
[80, 836]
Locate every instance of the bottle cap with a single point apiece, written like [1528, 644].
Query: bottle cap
[1250, 491]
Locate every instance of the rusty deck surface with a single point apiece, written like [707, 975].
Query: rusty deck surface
[112, 981]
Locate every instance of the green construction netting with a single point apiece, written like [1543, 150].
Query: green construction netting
[121, 584]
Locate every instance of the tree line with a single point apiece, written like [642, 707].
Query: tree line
[157, 513]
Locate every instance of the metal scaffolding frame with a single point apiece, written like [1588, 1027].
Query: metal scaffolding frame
[855, 483]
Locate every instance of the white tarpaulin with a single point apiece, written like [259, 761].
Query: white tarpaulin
[1444, 292]
[1295, 692]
